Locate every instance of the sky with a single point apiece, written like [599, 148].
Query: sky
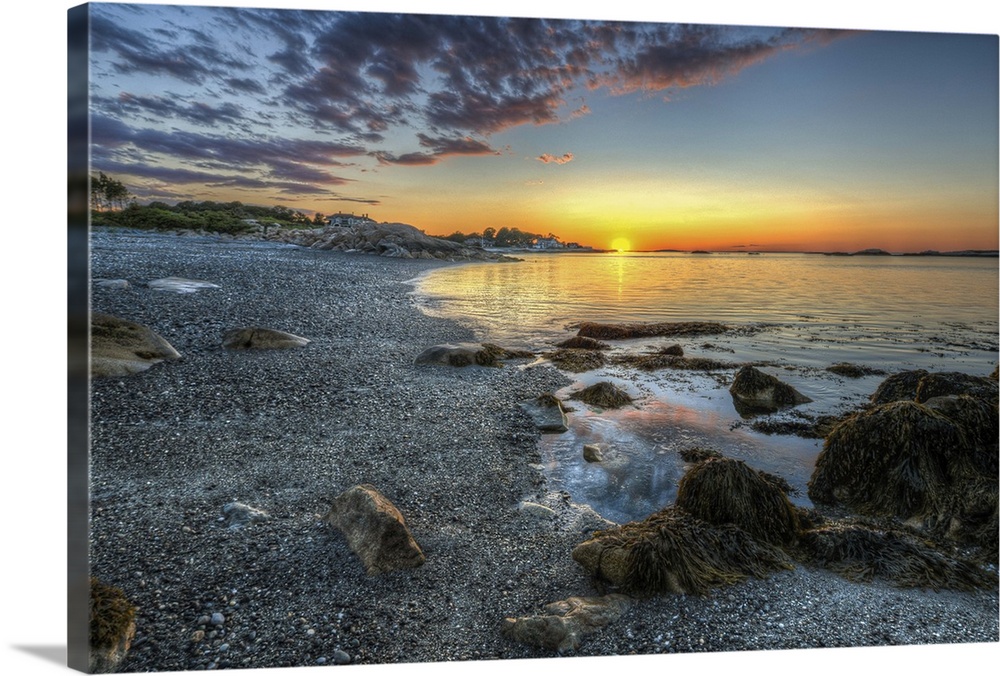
[613, 134]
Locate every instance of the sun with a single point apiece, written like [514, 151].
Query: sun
[620, 244]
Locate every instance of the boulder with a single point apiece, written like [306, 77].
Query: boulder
[546, 413]
[119, 347]
[112, 627]
[898, 387]
[592, 453]
[261, 339]
[562, 625]
[914, 462]
[375, 530]
[754, 392]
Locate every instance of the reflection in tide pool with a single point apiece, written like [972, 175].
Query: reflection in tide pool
[641, 447]
[795, 314]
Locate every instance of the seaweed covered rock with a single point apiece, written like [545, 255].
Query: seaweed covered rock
[920, 385]
[849, 370]
[576, 360]
[862, 554]
[562, 625]
[468, 354]
[119, 347]
[261, 339]
[603, 395]
[375, 530]
[945, 384]
[723, 491]
[583, 343]
[666, 359]
[898, 387]
[547, 413]
[756, 392]
[112, 627]
[907, 460]
[672, 551]
[640, 330]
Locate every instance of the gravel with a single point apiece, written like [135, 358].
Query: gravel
[286, 431]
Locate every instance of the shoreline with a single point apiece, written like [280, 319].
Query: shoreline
[287, 431]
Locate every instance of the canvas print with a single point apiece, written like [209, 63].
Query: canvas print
[414, 338]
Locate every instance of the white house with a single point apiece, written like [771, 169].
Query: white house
[548, 243]
[343, 219]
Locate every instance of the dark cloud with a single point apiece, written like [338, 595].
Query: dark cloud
[154, 108]
[444, 83]
[439, 148]
[245, 85]
[687, 56]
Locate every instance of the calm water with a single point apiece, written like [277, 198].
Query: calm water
[805, 311]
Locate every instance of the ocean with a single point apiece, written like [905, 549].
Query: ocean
[796, 315]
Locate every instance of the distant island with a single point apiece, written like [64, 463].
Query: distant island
[982, 253]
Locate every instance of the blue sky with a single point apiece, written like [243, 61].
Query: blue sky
[647, 133]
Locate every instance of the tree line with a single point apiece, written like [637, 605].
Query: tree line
[504, 237]
[112, 204]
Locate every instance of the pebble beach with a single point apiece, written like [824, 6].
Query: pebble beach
[286, 431]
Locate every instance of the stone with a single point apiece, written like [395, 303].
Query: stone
[535, 511]
[112, 627]
[592, 453]
[375, 530]
[468, 354]
[112, 283]
[562, 625]
[237, 515]
[119, 347]
[180, 285]
[341, 657]
[547, 413]
[754, 392]
[261, 339]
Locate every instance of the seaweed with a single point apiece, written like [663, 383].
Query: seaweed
[862, 554]
[603, 395]
[672, 551]
[725, 491]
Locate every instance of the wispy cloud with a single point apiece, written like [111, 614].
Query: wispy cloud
[546, 158]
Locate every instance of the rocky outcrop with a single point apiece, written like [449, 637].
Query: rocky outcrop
[756, 392]
[112, 627]
[375, 530]
[119, 347]
[394, 240]
[547, 413]
[261, 339]
[562, 625]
